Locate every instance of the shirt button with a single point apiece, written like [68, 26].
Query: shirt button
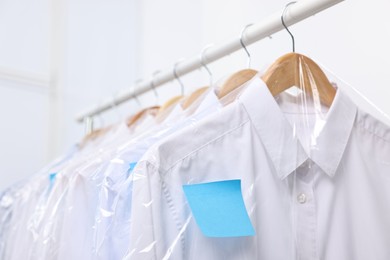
[302, 198]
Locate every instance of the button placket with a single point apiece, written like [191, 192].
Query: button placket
[305, 211]
[301, 198]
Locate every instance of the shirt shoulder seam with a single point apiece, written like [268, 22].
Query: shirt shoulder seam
[361, 124]
[204, 145]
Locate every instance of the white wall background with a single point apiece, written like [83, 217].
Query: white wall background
[58, 57]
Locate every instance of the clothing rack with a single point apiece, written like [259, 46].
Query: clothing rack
[295, 13]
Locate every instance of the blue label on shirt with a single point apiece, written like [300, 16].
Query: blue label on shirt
[131, 168]
[219, 209]
[52, 178]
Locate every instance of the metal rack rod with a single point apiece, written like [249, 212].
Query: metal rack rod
[258, 31]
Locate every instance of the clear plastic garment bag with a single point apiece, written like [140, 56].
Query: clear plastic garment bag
[292, 169]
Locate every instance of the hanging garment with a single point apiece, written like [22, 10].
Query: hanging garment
[330, 200]
[113, 217]
[313, 182]
[82, 189]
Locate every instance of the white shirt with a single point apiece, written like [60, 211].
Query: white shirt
[9, 201]
[68, 193]
[112, 224]
[80, 198]
[74, 197]
[6, 203]
[28, 205]
[52, 218]
[327, 200]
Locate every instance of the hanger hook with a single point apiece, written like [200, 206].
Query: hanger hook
[285, 26]
[203, 62]
[177, 77]
[153, 85]
[243, 45]
[134, 95]
[88, 125]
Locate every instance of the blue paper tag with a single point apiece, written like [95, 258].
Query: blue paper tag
[52, 178]
[219, 209]
[131, 168]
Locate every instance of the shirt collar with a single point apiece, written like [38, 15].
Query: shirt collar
[176, 113]
[210, 101]
[279, 140]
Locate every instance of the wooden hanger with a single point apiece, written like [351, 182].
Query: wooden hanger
[197, 94]
[166, 108]
[295, 69]
[94, 135]
[150, 110]
[236, 80]
[171, 102]
[188, 101]
[239, 78]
